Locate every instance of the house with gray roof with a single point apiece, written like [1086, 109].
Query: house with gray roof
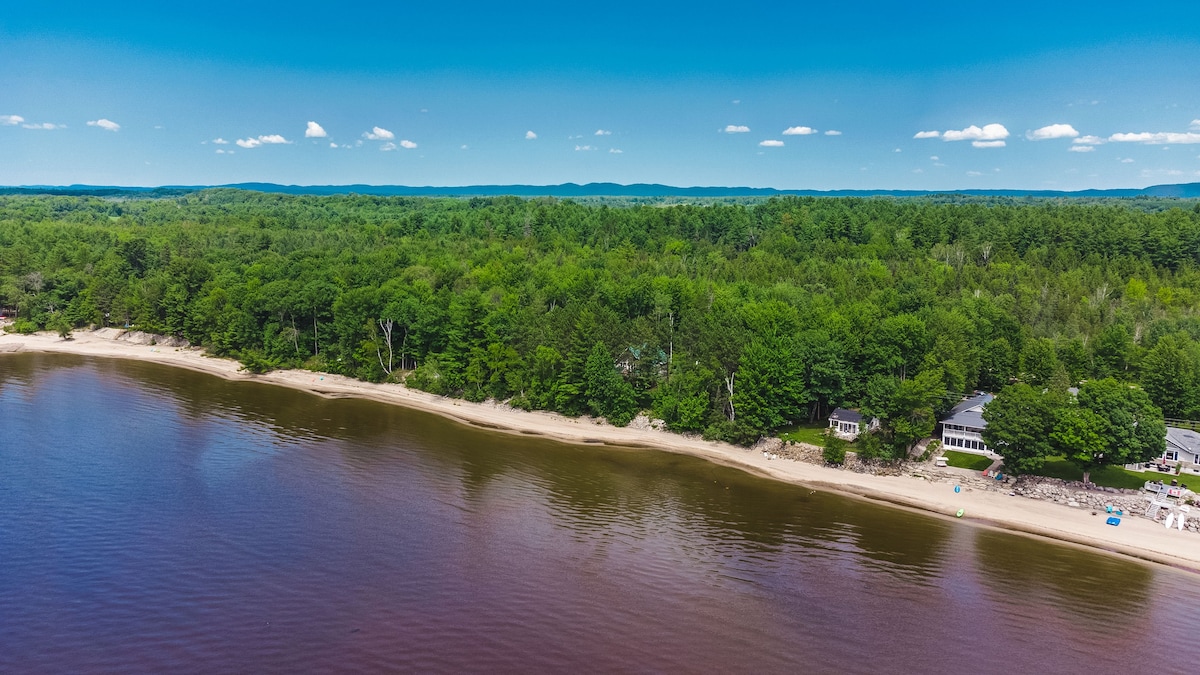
[1183, 445]
[962, 429]
[848, 424]
[1181, 448]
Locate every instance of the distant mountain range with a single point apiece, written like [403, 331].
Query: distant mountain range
[1185, 190]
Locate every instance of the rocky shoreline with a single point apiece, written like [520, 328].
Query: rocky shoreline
[1071, 494]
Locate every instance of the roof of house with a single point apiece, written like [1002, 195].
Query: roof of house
[844, 415]
[1183, 439]
[969, 413]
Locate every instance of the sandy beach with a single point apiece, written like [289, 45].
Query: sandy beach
[1136, 537]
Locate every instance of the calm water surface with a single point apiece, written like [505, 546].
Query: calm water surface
[159, 520]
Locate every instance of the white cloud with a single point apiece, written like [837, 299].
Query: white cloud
[974, 173]
[987, 144]
[1127, 160]
[989, 132]
[602, 132]
[44, 126]
[529, 135]
[933, 158]
[736, 129]
[771, 144]
[1088, 140]
[1081, 148]
[407, 144]
[1195, 125]
[463, 146]
[332, 144]
[269, 139]
[387, 147]
[615, 151]
[220, 141]
[1160, 138]
[1051, 132]
[579, 148]
[799, 131]
[314, 130]
[10, 120]
[927, 134]
[574, 136]
[918, 170]
[107, 125]
[378, 134]
[833, 132]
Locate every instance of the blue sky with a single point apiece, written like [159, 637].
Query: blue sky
[1066, 95]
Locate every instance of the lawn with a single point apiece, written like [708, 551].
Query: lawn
[966, 460]
[1108, 476]
[813, 434]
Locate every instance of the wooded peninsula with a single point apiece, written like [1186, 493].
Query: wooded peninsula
[730, 319]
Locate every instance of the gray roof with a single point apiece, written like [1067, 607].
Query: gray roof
[1184, 439]
[844, 415]
[969, 413]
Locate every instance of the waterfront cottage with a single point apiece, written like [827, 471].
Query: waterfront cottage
[963, 429]
[847, 424]
[1182, 447]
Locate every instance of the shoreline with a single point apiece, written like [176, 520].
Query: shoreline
[1136, 537]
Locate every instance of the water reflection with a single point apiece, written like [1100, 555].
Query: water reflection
[231, 526]
[1096, 590]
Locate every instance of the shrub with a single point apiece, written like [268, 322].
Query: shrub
[22, 326]
[254, 361]
[730, 432]
[428, 377]
[834, 453]
[870, 447]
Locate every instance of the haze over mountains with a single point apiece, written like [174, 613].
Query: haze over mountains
[1182, 190]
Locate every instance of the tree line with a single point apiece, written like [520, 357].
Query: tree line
[727, 319]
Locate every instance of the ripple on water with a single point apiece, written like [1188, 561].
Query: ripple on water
[158, 520]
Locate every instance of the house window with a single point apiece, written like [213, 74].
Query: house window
[1171, 455]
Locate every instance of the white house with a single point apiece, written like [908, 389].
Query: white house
[963, 429]
[847, 423]
[1183, 445]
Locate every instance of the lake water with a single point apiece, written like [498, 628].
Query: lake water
[160, 520]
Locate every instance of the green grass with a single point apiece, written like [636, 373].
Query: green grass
[1107, 476]
[813, 434]
[965, 460]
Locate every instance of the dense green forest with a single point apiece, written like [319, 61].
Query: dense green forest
[730, 319]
